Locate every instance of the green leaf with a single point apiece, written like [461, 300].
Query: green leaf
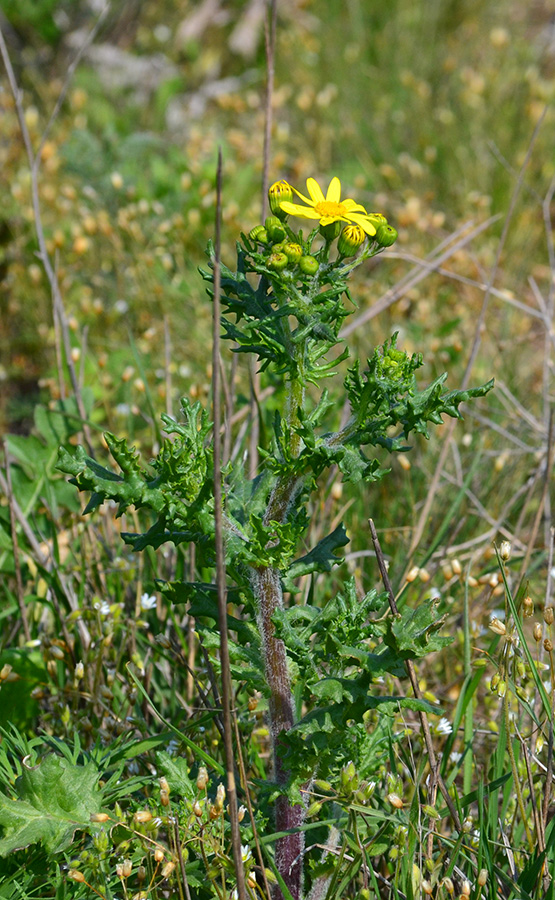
[176, 770]
[414, 632]
[321, 558]
[55, 799]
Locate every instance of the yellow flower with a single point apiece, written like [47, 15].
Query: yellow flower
[330, 208]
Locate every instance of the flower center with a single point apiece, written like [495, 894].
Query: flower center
[330, 208]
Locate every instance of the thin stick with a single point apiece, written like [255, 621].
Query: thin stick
[434, 766]
[15, 546]
[220, 555]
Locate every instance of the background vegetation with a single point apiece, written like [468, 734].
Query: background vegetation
[440, 115]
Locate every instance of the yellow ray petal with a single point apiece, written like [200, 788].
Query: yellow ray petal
[314, 190]
[351, 206]
[295, 209]
[363, 222]
[334, 190]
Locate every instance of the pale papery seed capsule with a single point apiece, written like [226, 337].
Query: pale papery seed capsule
[456, 566]
[99, 817]
[142, 816]
[168, 869]
[251, 881]
[197, 809]
[5, 671]
[412, 574]
[426, 887]
[202, 778]
[76, 875]
[482, 877]
[548, 645]
[497, 626]
[241, 813]
[528, 607]
[548, 615]
[395, 801]
[164, 798]
[127, 867]
[465, 888]
[141, 873]
[448, 885]
[537, 632]
[158, 855]
[164, 786]
[505, 550]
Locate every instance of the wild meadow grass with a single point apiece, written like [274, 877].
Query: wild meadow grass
[440, 116]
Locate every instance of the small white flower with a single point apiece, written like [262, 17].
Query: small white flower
[245, 853]
[455, 756]
[443, 726]
[148, 601]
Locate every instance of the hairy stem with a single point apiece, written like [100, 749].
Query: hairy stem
[268, 590]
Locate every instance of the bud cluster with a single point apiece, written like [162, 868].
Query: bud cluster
[286, 252]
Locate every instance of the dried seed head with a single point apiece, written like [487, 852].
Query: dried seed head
[528, 607]
[142, 816]
[168, 869]
[537, 632]
[497, 626]
[505, 550]
[99, 817]
[548, 645]
[76, 875]
[548, 615]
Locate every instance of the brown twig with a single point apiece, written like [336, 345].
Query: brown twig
[220, 554]
[15, 546]
[434, 765]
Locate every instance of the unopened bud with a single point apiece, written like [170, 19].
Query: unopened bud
[386, 235]
[501, 689]
[279, 192]
[350, 240]
[241, 813]
[548, 615]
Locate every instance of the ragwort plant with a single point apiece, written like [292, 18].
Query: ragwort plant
[315, 662]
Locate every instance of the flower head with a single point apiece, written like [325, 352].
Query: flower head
[330, 208]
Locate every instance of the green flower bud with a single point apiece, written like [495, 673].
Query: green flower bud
[350, 240]
[259, 233]
[377, 219]
[386, 235]
[331, 231]
[308, 265]
[277, 262]
[292, 251]
[276, 231]
[277, 193]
